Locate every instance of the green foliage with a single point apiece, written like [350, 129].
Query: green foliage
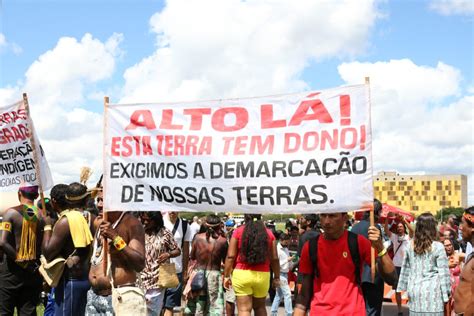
[189, 215]
[276, 217]
[445, 212]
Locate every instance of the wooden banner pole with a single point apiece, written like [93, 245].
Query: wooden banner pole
[104, 184]
[36, 159]
[372, 217]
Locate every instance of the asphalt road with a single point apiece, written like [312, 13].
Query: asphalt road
[388, 309]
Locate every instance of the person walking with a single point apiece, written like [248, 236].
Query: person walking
[284, 290]
[400, 242]
[209, 250]
[21, 237]
[252, 250]
[160, 246]
[372, 289]
[70, 238]
[425, 273]
[331, 265]
[182, 235]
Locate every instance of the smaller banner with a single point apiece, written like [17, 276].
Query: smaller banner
[17, 162]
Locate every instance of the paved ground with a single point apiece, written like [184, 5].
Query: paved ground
[389, 309]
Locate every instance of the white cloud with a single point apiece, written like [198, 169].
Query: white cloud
[57, 83]
[244, 48]
[415, 127]
[453, 7]
[6, 45]
[3, 40]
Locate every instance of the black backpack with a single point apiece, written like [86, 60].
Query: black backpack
[353, 248]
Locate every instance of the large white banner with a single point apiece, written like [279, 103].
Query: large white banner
[17, 162]
[297, 153]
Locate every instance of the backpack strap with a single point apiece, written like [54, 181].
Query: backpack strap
[313, 254]
[353, 242]
[185, 229]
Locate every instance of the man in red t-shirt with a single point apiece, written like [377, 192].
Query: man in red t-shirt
[335, 291]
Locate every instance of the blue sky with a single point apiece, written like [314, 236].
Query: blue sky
[409, 29]
[419, 55]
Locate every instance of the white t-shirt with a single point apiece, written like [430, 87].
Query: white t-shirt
[468, 248]
[178, 237]
[283, 255]
[194, 227]
[400, 254]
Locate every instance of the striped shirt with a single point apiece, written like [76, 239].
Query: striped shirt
[155, 245]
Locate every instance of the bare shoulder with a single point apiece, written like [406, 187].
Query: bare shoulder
[133, 226]
[131, 221]
[222, 240]
[12, 214]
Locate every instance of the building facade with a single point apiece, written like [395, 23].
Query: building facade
[421, 193]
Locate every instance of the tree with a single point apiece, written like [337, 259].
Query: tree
[443, 214]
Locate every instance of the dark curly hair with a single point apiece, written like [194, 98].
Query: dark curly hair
[254, 249]
[156, 217]
[425, 233]
[58, 194]
[76, 190]
[469, 211]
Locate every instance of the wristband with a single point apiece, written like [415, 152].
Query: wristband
[119, 243]
[382, 253]
[47, 227]
[6, 226]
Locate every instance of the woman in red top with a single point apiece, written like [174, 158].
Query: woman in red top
[252, 249]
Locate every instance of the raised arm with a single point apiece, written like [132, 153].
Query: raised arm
[411, 231]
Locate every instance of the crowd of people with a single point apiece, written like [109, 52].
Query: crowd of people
[153, 263]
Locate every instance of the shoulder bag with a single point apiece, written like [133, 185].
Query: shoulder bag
[53, 270]
[199, 282]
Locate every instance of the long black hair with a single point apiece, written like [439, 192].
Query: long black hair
[254, 247]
